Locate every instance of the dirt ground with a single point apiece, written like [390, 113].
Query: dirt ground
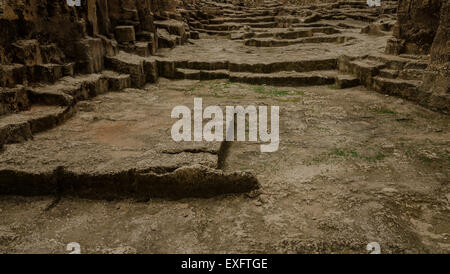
[353, 167]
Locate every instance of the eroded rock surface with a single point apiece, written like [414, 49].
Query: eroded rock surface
[423, 28]
[418, 21]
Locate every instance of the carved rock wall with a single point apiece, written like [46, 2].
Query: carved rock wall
[418, 21]
[437, 78]
[58, 28]
[440, 54]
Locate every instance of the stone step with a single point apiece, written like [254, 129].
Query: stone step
[28, 52]
[184, 181]
[297, 33]
[400, 62]
[286, 78]
[13, 100]
[216, 32]
[323, 25]
[416, 64]
[202, 22]
[79, 158]
[172, 26]
[269, 42]
[407, 89]
[193, 35]
[167, 40]
[12, 75]
[223, 27]
[69, 90]
[283, 78]
[143, 49]
[125, 34]
[346, 81]
[116, 81]
[49, 73]
[359, 16]
[91, 54]
[145, 36]
[19, 127]
[364, 69]
[288, 19]
[193, 74]
[262, 25]
[251, 14]
[168, 67]
[411, 74]
[18, 74]
[196, 24]
[241, 35]
[254, 19]
[50, 105]
[362, 4]
[389, 73]
[391, 61]
[141, 70]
